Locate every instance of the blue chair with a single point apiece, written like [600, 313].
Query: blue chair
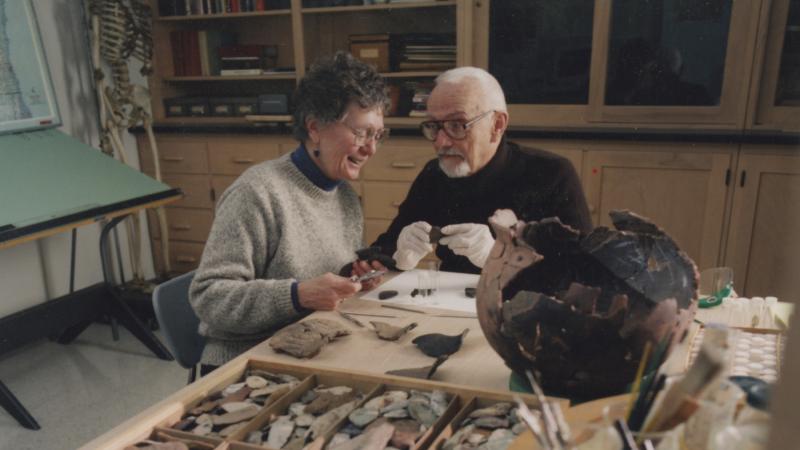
[178, 322]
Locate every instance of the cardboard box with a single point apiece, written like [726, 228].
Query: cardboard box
[373, 49]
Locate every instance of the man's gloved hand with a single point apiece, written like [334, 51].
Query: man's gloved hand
[412, 245]
[472, 240]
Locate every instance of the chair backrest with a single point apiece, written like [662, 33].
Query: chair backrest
[178, 320]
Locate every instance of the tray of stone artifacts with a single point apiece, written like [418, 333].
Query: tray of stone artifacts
[278, 406]
[754, 352]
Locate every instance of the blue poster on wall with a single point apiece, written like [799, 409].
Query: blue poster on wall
[26, 93]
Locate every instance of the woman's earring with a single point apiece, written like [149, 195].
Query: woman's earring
[316, 152]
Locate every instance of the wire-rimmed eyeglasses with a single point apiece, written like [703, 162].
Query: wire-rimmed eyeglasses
[455, 129]
[362, 135]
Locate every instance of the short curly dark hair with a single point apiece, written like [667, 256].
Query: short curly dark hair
[331, 85]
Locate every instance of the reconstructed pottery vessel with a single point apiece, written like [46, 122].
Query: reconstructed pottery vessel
[577, 309]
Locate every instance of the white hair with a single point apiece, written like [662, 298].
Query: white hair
[492, 92]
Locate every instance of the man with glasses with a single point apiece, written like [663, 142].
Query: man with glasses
[476, 172]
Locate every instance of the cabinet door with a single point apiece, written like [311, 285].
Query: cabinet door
[778, 68]
[672, 61]
[232, 156]
[764, 235]
[683, 192]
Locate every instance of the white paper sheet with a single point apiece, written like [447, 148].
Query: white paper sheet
[450, 294]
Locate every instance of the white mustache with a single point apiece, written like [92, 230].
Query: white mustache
[449, 152]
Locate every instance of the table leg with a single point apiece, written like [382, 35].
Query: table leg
[15, 408]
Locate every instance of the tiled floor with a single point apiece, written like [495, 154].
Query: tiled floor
[77, 392]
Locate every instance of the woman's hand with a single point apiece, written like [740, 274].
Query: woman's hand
[362, 267]
[325, 292]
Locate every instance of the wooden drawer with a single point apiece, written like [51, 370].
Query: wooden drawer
[400, 161]
[232, 157]
[176, 156]
[184, 224]
[196, 190]
[382, 199]
[374, 228]
[219, 183]
[183, 256]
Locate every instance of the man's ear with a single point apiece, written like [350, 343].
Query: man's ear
[500, 125]
[312, 127]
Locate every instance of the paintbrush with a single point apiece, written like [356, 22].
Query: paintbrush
[530, 419]
[548, 417]
[351, 319]
[674, 406]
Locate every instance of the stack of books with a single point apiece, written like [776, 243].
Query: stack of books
[427, 51]
[196, 53]
[419, 100]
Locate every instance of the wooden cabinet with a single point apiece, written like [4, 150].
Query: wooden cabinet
[764, 241]
[682, 190]
[296, 37]
[667, 64]
[202, 166]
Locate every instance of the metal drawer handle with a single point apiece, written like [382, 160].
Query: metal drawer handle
[244, 161]
[172, 158]
[396, 204]
[181, 227]
[185, 259]
[403, 165]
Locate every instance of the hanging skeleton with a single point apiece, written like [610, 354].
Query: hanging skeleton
[121, 34]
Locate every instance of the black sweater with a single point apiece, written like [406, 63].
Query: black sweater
[533, 183]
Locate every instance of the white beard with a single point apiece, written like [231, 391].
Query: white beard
[460, 170]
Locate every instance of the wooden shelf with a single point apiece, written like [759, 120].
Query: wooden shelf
[194, 121]
[387, 6]
[221, 16]
[255, 118]
[405, 122]
[266, 77]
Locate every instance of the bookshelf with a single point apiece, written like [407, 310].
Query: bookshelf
[288, 38]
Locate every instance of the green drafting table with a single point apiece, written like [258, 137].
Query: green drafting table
[51, 183]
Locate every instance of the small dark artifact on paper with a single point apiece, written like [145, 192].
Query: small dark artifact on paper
[414, 292]
[305, 339]
[434, 235]
[470, 292]
[389, 332]
[424, 373]
[577, 308]
[437, 344]
[385, 295]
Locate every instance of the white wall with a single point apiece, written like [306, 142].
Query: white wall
[35, 272]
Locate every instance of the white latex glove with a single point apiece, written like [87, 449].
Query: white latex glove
[472, 240]
[412, 245]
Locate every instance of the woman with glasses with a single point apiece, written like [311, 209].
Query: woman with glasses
[286, 226]
[476, 171]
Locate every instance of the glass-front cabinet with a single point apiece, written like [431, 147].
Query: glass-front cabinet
[778, 95]
[674, 63]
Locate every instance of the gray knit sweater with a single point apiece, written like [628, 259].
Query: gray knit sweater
[273, 226]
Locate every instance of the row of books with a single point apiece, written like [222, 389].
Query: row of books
[214, 52]
[420, 92]
[200, 7]
[427, 52]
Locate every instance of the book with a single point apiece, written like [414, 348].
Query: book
[239, 72]
[210, 41]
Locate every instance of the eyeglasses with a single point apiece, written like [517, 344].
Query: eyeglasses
[455, 129]
[362, 136]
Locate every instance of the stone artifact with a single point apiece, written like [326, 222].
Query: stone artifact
[493, 427]
[577, 309]
[436, 344]
[409, 415]
[369, 254]
[435, 234]
[470, 292]
[385, 295]
[305, 339]
[426, 372]
[225, 412]
[309, 417]
[389, 332]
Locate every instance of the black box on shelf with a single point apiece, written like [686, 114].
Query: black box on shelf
[273, 104]
[186, 106]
